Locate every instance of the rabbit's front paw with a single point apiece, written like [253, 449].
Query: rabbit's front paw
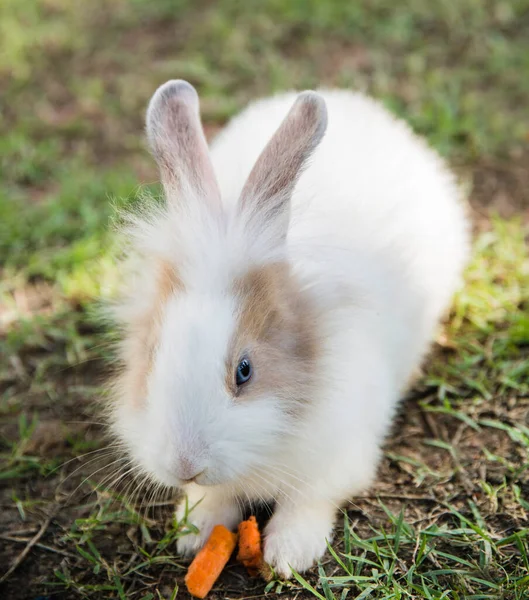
[296, 539]
[200, 512]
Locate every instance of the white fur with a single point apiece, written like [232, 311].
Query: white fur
[376, 219]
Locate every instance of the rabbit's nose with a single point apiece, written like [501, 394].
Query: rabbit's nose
[189, 470]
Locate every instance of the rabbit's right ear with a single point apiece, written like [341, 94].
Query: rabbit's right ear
[178, 143]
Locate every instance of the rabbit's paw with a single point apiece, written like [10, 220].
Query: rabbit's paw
[199, 512]
[296, 539]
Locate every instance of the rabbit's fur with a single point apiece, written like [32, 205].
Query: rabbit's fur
[325, 246]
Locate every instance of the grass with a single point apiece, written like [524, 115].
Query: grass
[448, 516]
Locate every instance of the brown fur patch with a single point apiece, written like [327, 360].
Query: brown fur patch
[169, 282]
[276, 330]
[139, 347]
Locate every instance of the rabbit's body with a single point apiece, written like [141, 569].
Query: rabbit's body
[343, 298]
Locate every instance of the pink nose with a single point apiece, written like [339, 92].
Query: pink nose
[188, 470]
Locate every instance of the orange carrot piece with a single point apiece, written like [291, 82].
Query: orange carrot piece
[209, 562]
[250, 553]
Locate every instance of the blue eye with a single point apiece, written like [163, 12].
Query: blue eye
[244, 372]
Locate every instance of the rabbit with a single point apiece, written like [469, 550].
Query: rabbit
[277, 305]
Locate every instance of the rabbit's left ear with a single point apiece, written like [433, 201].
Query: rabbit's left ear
[265, 198]
[178, 143]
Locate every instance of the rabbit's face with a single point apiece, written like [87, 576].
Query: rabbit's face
[220, 346]
[230, 376]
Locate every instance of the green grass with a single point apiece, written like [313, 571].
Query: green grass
[490, 328]
[448, 516]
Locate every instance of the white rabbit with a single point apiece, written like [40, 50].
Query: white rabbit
[280, 302]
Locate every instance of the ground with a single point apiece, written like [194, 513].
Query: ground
[448, 515]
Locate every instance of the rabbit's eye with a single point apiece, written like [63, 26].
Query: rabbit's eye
[244, 371]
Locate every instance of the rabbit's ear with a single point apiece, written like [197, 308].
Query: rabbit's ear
[177, 141]
[265, 198]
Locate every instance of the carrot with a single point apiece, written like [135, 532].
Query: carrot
[250, 553]
[209, 562]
